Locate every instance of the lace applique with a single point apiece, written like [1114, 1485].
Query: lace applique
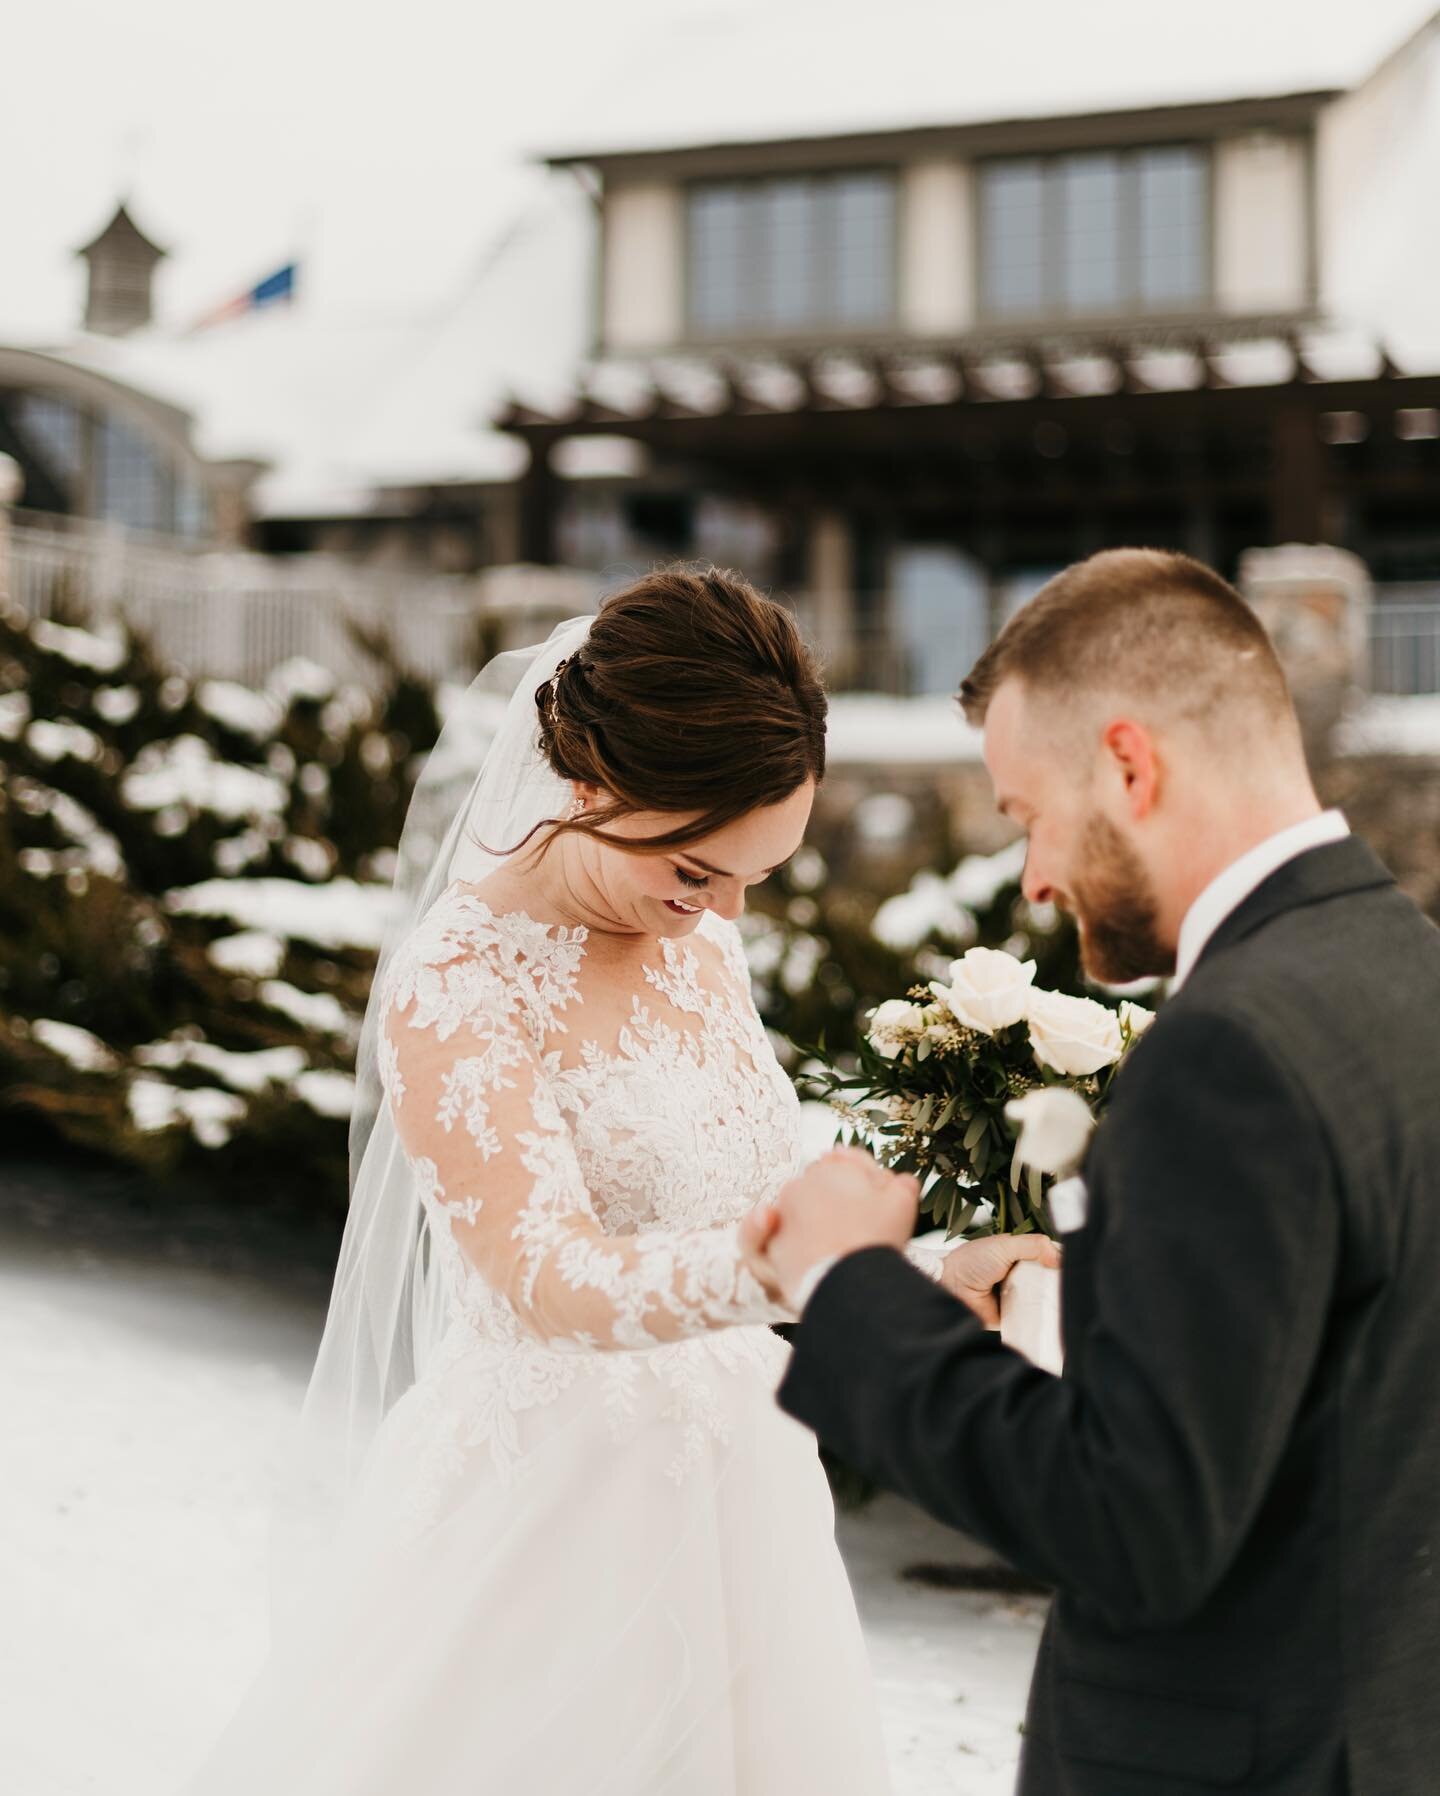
[582, 1196]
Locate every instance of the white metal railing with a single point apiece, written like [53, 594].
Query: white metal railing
[859, 657]
[1404, 648]
[238, 615]
[1405, 639]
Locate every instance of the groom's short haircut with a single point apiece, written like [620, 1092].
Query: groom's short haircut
[1150, 624]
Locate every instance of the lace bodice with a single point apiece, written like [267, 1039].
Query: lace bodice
[583, 1178]
[584, 1192]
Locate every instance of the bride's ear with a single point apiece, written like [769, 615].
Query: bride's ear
[584, 796]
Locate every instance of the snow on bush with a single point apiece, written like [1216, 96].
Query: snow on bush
[194, 880]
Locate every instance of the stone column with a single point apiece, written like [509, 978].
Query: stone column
[12, 485]
[1315, 602]
[830, 584]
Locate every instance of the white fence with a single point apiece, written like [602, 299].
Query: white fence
[1405, 639]
[1404, 648]
[235, 615]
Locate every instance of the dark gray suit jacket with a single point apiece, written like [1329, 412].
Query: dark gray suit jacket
[1235, 1486]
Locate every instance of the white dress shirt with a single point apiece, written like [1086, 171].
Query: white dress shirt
[1229, 890]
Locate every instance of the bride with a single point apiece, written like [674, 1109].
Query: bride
[548, 1531]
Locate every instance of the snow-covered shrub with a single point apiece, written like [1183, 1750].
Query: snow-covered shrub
[192, 886]
[823, 955]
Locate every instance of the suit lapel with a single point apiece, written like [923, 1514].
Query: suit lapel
[1319, 874]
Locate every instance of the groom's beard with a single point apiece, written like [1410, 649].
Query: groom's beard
[1115, 907]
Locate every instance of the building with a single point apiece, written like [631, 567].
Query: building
[903, 363]
[95, 445]
[120, 264]
[305, 426]
[898, 315]
[343, 463]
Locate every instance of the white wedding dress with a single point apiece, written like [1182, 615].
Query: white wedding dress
[588, 1555]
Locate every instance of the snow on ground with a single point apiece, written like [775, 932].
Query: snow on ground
[864, 728]
[1389, 725]
[145, 1416]
[951, 1669]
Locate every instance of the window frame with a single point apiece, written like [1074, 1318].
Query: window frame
[1053, 310]
[827, 328]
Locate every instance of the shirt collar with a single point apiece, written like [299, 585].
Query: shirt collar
[1228, 890]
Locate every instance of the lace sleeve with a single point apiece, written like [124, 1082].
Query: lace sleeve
[489, 1144]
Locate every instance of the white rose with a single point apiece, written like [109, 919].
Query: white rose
[1055, 1124]
[1074, 1036]
[988, 990]
[1135, 1017]
[892, 1024]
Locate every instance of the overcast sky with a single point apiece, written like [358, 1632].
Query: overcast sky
[385, 143]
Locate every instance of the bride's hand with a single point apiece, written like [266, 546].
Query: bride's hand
[756, 1229]
[972, 1271]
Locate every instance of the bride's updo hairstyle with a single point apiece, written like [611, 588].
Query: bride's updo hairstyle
[693, 693]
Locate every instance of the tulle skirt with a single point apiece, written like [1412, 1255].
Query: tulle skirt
[641, 1594]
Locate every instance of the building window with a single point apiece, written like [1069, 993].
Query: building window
[1096, 233]
[58, 433]
[776, 257]
[132, 485]
[192, 509]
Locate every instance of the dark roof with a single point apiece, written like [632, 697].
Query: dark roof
[124, 235]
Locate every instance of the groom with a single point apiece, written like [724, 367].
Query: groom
[1235, 1486]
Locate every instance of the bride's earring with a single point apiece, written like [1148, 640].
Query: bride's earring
[577, 807]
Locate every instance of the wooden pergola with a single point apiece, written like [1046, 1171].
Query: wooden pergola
[1032, 449]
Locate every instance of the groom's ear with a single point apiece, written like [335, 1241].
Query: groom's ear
[1130, 751]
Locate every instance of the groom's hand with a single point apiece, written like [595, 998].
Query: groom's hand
[838, 1205]
[973, 1270]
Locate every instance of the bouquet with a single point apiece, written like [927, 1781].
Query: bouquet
[984, 1086]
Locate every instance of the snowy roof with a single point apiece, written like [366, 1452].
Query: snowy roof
[336, 407]
[749, 72]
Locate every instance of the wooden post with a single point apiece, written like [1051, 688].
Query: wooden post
[537, 494]
[1297, 478]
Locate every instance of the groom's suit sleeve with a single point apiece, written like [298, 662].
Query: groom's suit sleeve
[1133, 1480]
